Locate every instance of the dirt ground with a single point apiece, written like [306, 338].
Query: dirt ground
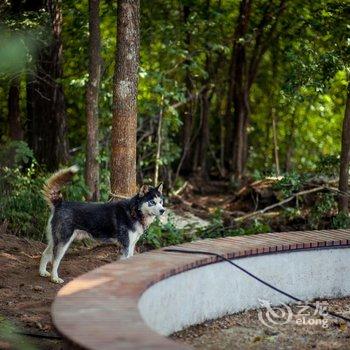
[25, 301]
[246, 331]
[25, 297]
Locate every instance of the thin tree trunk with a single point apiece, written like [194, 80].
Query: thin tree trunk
[46, 108]
[124, 125]
[92, 166]
[290, 145]
[235, 74]
[159, 144]
[188, 117]
[343, 202]
[243, 74]
[275, 142]
[205, 110]
[14, 118]
[204, 139]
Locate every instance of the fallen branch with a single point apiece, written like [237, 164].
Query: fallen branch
[295, 195]
[279, 204]
[181, 189]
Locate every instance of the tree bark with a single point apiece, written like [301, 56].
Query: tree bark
[204, 139]
[243, 75]
[124, 125]
[275, 141]
[235, 81]
[188, 118]
[92, 93]
[343, 201]
[14, 117]
[46, 104]
[159, 145]
[205, 109]
[290, 145]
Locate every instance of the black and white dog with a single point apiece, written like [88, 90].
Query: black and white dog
[124, 221]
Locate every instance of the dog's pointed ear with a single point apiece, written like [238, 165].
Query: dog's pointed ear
[160, 187]
[143, 190]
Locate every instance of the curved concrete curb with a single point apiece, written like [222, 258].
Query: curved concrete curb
[99, 310]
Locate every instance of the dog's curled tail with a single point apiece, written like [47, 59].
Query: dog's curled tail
[52, 188]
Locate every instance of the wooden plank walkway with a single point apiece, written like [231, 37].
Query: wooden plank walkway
[98, 310]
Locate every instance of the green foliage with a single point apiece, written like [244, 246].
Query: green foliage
[289, 184]
[217, 228]
[291, 213]
[324, 205]
[16, 153]
[77, 190]
[21, 202]
[328, 165]
[257, 227]
[302, 77]
[161, 235]
[341, 221]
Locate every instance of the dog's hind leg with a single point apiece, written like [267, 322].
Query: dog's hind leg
[47, 254]
[58, 252]
[45, 258]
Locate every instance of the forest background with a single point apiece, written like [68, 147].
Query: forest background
[228, 93]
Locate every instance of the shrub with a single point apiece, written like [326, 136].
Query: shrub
[341, 221]
[323, 207]
[290, 183]
[328, 165]
[15, 153]
[161, 235]
[217, 229]
[21, 202]
[21, 181]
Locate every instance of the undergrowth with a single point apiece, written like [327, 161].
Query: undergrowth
[23, 208]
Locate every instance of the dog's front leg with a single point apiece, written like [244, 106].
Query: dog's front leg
[128, 251]
[125, 253]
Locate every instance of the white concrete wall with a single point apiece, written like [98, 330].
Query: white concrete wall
[218, 289]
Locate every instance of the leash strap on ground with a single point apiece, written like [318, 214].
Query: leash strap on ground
[253, 276]
[38, 335]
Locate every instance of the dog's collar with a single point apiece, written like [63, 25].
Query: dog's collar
[137, 215]
[144, 222]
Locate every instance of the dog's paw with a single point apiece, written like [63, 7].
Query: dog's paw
[56, 280]
[44, 273]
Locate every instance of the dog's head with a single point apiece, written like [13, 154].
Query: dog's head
[151, 200]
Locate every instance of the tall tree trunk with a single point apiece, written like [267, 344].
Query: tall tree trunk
[159, 145]
[290, 145]
[47, 116]
[275, 141]
[188, 117]
[204, 139]
[14, 118]
[241, 119]
[234, 98]
[343, 202]
[205, 109]
[124, 125]
[92, 92]
[243, 74]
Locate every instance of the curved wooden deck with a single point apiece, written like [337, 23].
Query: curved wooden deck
[99, 310]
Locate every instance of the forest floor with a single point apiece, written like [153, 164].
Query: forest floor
[246, 331]
[25, 297]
